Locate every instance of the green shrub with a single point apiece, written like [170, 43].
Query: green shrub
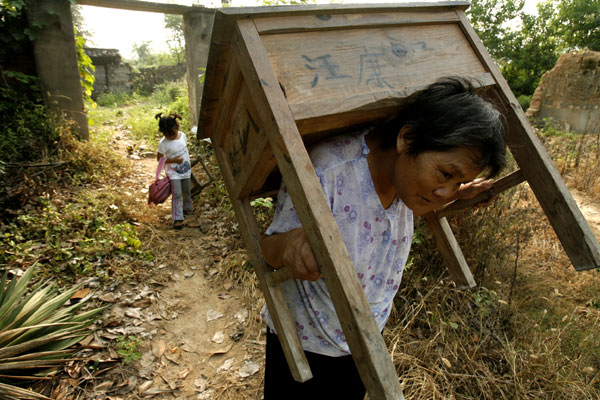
[29, 134]
[37, 332]
[524, 100]
[114, 99]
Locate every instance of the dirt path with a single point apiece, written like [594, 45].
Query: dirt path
[590, 210]
[197, 341]
[198, 338]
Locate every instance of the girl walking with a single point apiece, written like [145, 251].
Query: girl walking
[173, 146]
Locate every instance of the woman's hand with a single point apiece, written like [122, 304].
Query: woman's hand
[473, 188]
[291, 249]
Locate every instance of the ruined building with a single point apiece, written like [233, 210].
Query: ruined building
[570, 93]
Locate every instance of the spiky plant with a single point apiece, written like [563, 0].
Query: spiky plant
[36, 332]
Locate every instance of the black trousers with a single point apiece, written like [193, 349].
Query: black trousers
[333, 377]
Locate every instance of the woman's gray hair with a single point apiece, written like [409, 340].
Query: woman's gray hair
[448, 115]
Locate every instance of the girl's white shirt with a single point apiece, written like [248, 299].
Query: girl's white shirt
[173, 149]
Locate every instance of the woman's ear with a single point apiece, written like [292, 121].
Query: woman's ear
[401, 141]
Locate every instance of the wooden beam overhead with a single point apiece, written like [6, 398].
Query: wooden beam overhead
[147, 6]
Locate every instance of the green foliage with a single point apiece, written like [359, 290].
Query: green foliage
[578, 23]
[490, 19]
[264, 209]
[127, 347]
[74, 239]
[524, 100]
[263, 202]
[117, 98]
[79, 22]
[86, 68]
[169, 97]
[144, 57]
[29, 133]
[15, 34]
[525, 46]
[176, 41]
[37, 330]
[534, 51]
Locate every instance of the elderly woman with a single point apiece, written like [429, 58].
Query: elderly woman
[431, 153]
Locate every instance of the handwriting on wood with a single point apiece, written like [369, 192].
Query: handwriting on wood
[326, 65]
[243, 132]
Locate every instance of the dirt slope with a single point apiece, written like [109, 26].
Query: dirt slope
[196, 337]
[199, 337]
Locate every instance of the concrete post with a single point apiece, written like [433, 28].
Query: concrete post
[197, 29]
[56, 60]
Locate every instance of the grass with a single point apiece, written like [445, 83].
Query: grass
[83, 230]
[136, 112]
[528, 331]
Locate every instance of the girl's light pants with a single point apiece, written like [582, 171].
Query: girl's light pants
[182, 198]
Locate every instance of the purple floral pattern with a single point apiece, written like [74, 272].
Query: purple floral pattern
[378, 241]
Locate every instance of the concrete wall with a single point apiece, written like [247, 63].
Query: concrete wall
[147, 79]
[197, 29]
[111, 78]
[56, 60]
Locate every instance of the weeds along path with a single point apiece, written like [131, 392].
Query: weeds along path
[197, 337]
[590, 208]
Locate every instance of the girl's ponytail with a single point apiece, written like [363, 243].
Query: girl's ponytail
[166, 124]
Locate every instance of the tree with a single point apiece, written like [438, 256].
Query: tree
[524, 46]
[174, 23]
[143, 54]
[533, 50]
[79, 23]
[578, 23]
[494, 22]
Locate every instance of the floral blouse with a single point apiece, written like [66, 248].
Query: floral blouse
[378, 241]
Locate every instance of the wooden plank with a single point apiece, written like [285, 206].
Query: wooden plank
[227, 101]
[363, 100]
[257, 169]
[322, 115]
[224, 25]
[280, 314]
[345, 71]
[570, 226]
[245, 139]
[505, 183]
[320, 22]
[361, 331]
[279, 275]
[238, 131]
[219, 57]
[147, 6]
[450, 250]
[207, 118]
[237, 13]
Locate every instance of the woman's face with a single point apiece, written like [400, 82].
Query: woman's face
[429, 180]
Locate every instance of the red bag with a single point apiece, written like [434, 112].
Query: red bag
[160, 190]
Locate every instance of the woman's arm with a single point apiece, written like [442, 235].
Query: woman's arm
[291, 249]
